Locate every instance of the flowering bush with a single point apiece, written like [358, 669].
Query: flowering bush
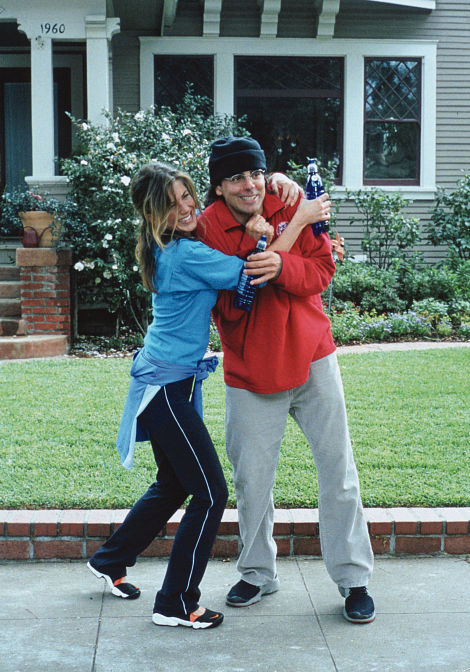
[351, 326]
[105, 235]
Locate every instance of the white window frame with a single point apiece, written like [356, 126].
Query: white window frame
[224, 49]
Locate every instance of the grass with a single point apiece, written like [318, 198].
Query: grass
[408, 414]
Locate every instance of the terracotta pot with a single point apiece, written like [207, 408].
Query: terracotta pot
[45, 224]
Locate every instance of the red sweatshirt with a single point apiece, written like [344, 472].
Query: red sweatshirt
[270, 349]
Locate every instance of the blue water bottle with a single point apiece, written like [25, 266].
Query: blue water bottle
[245, 292]
[313, 189]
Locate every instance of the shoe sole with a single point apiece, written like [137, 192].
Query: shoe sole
[267, 589]
[173, 621]
[114, 589]
[360, 621]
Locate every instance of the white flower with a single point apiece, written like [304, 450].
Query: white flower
[140, 116]
[105, 243]
[116, 137]
[111, 181]
[108, 236]
[125, 180]
[114, 267]
[165, 136]
[187, 131]
[135, 268]
[79, 266]
[110, 145]
[107, 275]
[83, 162]
[85, 126]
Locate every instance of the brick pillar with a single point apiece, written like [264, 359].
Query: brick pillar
[45, 289]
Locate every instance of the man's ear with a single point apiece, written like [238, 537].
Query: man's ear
[218, 190]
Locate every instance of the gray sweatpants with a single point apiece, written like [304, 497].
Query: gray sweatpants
[255, 426]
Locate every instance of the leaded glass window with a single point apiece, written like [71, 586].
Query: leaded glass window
[173, 73]
[392, 121]
[294, 106]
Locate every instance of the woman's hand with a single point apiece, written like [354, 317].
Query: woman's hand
[265, 265]
[310, 212]
[285, 188]
[257, 226]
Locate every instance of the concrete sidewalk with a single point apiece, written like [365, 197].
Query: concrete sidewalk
[56, 617]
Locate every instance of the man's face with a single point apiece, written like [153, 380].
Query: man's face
[243, 194]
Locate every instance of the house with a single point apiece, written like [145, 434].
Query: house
[383, 86]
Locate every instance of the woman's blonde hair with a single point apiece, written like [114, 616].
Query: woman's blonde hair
[151, 191]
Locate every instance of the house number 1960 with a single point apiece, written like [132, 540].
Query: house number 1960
[52, 28]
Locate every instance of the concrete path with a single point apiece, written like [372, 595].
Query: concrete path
[57, 617]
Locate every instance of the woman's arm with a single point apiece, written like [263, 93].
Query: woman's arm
[268, 265]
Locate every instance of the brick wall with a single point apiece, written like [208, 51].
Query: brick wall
[45, 289]
[76, 534]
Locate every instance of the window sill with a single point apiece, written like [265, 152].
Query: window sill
[413, 193]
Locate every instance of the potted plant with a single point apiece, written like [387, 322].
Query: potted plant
[39, 217]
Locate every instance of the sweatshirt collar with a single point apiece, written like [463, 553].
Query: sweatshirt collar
[271, 205]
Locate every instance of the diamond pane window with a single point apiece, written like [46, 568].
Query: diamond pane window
[173, 73]
[294, 106]
[392, 121]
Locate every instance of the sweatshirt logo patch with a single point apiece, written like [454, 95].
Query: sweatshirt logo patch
[281, 226]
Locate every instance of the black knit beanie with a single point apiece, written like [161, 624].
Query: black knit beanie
[230, 156]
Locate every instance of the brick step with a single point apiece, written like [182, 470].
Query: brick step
[10, 289]
[396, 532]
[28, 347]
[10, 307]
[12, 326]
[9, 272]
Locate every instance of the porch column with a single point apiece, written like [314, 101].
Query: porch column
[42, 107]
[99, 31]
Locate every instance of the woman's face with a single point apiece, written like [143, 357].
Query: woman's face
[182, 216]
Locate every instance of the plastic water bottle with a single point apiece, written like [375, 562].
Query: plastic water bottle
[245, 292]
[313, 189]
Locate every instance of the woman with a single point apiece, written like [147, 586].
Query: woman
[184, 276]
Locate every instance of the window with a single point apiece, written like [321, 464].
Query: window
[173, 73]
[15, 123]
[294, 106]
[392, 121]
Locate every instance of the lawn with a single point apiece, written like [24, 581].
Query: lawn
[409, 415]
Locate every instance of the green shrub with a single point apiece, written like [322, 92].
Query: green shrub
[450, 221]
[388, 234]
[366, 286]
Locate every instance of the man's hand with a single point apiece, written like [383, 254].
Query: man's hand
[257, 226]
[285, 188]
[267, 265]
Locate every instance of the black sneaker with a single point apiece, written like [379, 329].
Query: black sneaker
[209, 619]
[359, 606]
[120, 588]
[243, 594]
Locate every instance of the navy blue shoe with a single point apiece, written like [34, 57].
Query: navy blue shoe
[242, 594]
[359, 606]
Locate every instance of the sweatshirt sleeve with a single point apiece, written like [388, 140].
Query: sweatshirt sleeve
[308, 268]
[201, 267]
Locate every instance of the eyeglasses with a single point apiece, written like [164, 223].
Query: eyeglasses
[239, 177]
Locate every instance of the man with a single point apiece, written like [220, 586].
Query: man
[280, 359]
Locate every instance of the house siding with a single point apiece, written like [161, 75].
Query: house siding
[448, 24]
